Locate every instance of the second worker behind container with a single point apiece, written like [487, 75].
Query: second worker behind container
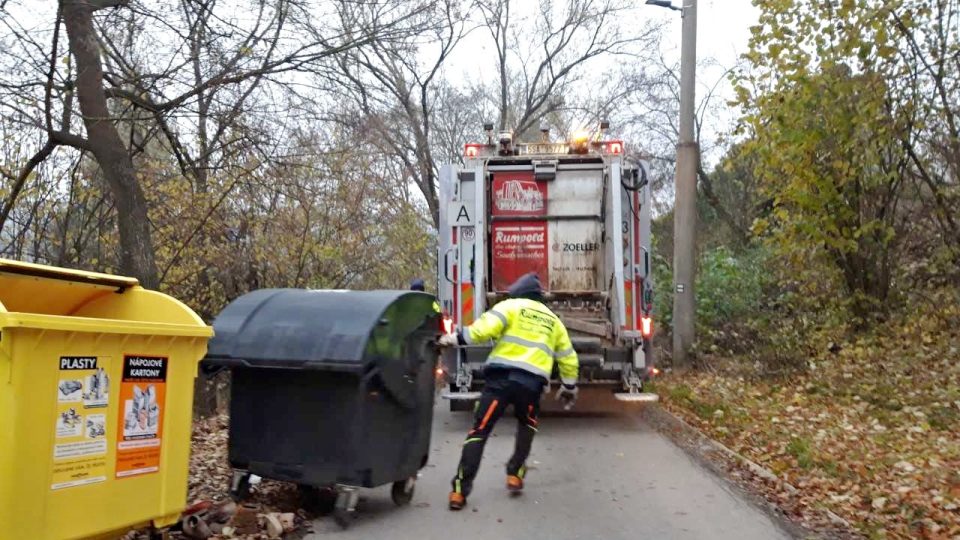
[528, 338]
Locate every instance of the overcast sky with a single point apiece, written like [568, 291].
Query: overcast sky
[723, 27]
[723, 32]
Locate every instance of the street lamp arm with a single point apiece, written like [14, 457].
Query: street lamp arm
[664, 4]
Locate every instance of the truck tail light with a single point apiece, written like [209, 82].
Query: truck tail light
[614, 147]
[447, 325]
[646, 326]
[471, 150]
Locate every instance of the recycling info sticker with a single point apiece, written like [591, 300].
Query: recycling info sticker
[80, 442]
[143, 392]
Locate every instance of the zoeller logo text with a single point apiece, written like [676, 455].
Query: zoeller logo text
[570, 247]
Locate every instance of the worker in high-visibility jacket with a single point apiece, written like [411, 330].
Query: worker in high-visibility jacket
[529, 338]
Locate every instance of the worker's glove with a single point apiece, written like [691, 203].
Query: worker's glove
[447, 340]
[567, 395]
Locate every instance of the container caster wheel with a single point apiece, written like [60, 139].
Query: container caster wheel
[402, 491]
[194, 527]
[345, 507]
[240, 488]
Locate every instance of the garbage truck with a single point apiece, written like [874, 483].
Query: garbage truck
[576, 212]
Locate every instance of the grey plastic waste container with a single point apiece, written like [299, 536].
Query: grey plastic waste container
[329, 388]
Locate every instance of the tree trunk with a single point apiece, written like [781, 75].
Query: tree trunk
[136, 246]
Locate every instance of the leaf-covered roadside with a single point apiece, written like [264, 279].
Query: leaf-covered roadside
[869, 431]
[209, 482]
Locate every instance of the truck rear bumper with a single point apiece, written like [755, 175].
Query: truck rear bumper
[600, 366]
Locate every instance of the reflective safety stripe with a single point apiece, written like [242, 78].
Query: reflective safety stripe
[475, 439]
[526, 335]
[527, 343]
[519, 364]
[491, 325]
[486, 417]
[568, 382]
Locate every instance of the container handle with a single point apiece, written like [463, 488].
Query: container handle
[446, 264]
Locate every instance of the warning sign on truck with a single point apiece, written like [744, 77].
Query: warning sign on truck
[518, 248]
[143, 392]
[80, 444]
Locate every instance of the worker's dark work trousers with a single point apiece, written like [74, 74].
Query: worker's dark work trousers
[498, 393]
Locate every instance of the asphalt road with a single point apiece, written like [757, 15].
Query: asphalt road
[592, 477]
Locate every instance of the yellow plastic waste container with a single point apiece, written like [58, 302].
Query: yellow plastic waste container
[96, 396]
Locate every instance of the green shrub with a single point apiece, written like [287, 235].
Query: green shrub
[730, 287]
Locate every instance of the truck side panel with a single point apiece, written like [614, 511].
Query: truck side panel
[615, 248]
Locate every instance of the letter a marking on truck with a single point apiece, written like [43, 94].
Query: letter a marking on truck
[462, 213]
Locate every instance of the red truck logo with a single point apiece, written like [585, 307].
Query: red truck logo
[519, 196]
[508, 238]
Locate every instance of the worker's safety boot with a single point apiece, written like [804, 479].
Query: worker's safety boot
[457, 500]
[514, 483]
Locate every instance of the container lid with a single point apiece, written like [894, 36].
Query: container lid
[34, 288]
[316, 329]
[52, 298]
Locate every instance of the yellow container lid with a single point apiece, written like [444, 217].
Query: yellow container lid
[39, 296]
[34, 288]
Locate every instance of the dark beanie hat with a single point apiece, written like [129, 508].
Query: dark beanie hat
[416, 285]
[527, 285]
